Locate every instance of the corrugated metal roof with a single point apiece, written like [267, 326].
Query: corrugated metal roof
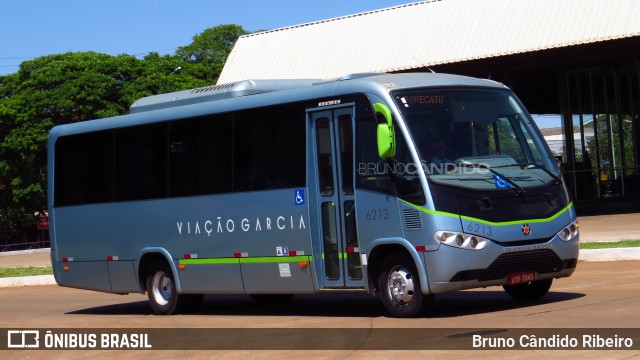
[427, 33]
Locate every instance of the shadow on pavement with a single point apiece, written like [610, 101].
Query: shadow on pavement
[454, 304]
[463, 303]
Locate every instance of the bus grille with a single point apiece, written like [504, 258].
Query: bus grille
[523, 242]
[542, 261]
[412, 219]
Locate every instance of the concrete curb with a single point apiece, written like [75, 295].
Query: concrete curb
[613, 254]
[27, 281]
[23, 252]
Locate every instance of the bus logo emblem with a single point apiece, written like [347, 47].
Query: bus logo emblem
[299, 197]
[526, 229]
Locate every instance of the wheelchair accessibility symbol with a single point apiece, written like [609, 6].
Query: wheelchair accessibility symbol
[299, 197]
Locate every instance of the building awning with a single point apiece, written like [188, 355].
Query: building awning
[427, 33]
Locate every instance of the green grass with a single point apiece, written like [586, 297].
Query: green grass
[25, 271]
[610, 244]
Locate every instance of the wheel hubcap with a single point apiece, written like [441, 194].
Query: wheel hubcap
[401, 286]
[162, 288]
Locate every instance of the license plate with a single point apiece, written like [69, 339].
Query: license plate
[522, 278]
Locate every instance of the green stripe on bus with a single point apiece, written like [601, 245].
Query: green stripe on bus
[209, 261]
[274, 259]
[486, 222]
[245, 260]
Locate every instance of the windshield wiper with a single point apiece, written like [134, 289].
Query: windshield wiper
[519, 190]
[555, 177]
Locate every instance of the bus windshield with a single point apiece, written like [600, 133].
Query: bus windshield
[475, 138]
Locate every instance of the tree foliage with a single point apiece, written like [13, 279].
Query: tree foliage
[211, 48]
[78, 86]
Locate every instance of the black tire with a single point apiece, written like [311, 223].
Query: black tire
[162, 294]
[529, 291]
[271, 298]
[399, 287]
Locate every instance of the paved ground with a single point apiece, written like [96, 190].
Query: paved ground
[599, 295]
[610, 227]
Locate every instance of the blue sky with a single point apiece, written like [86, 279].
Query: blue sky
[33, 28]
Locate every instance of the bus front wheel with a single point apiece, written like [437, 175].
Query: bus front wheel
[399, 286]
[162, 294]
[529, 291]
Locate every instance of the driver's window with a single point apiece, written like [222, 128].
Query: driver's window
[537, 157]
[503, 141]
[397, 176]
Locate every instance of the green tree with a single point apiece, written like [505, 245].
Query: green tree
[48, 91]
[8, 114]
[65, 88]
[211, 49]
[60, 89]
[157, 74]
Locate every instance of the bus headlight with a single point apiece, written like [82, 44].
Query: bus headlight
[461, 240]
[570, 232]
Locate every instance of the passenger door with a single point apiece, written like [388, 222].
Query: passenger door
[333, 149]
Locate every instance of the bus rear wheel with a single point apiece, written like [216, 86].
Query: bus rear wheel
[162, 294]
[399, 287]
[529, 291]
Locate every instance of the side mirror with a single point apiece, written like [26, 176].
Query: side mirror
[386, 133]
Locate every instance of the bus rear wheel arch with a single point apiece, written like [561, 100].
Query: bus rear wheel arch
[162, 293]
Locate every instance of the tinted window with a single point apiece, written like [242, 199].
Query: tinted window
[84, 169]
[345, 135]
[325, 156]
[269, 148]
[459, 133]
[257, 149]
[141, 153]
[200, 156]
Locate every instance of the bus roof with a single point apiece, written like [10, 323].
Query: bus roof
[253, 87]
[257, 93]
[215, 92]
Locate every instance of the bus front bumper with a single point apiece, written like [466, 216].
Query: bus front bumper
[495, 265]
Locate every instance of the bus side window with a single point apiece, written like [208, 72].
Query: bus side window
[200, 156]
[84, 165]
[141, 158]
[269, 150]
